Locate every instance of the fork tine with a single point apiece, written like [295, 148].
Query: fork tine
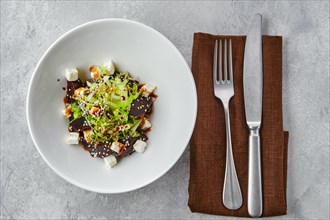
[225, 62]
[231, 78]
[220, 61]
[215, 63]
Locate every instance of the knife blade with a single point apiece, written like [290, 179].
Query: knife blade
[252, 83]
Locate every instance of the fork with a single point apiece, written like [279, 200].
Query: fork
[224, 90]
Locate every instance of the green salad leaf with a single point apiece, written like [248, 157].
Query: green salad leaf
[76, 110]
[106, 106]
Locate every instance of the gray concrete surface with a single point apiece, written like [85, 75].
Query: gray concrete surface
[31, 190]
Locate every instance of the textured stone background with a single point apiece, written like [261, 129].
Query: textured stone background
[30, 189]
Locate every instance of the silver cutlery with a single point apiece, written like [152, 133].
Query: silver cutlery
[223, 82]
[252, 83]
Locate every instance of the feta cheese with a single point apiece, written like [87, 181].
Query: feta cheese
[117, 147]
[109, 66]
[110, 161]
[95, 72]
[73, 138]
[87, 134]
[146, 124]
[140, 146]
[71, 74]
[147, 89]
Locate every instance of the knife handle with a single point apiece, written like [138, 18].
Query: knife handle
[254, 179]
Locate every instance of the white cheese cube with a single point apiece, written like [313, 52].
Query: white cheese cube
[71, 74]
[147, 89]
[117, 147]
[110, 67]
[146, 124]
[140, 146]
[73, 138]
[110, 161]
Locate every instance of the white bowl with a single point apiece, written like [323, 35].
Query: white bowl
[148, 56]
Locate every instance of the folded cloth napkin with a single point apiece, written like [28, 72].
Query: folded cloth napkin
[208, 143]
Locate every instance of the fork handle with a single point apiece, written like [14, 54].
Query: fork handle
[254, 176]
[232, 196]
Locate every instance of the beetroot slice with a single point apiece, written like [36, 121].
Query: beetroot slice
[79, 124]
[129, 142]
[71, 87]
[143, 137]
[140, 106]
[87, 146]
[100, 150]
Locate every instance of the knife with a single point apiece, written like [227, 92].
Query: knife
[252, 83]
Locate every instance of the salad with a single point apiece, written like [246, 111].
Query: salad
[109, 115]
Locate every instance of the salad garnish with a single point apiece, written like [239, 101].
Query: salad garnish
[109, 114]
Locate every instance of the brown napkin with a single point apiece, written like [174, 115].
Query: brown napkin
[208, 144]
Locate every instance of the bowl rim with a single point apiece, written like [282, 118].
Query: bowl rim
[28, 104]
